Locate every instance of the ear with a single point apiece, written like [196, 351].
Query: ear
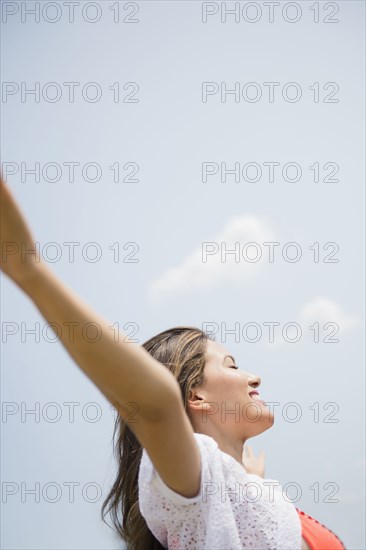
[197, 400]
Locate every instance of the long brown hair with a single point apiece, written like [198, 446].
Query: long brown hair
[182, 350]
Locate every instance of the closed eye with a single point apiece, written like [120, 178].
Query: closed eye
[233, 367]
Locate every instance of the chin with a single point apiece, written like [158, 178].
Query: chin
[268, 423]
[271, 420]
[266, 419]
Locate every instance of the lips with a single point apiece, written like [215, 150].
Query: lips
[255, 395]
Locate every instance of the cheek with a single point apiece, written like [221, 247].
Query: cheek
[227, 388]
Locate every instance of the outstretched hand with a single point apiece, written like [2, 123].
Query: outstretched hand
[19, 257]
[253, 464]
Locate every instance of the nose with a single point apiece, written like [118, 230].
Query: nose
[254, 381]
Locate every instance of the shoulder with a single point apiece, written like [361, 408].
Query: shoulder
[211, 458]
[181, 522]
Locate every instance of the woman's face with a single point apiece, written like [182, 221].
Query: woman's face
[225, 396]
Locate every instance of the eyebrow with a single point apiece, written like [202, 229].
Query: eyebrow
[230, 357]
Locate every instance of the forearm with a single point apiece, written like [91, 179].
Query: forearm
[124, 371]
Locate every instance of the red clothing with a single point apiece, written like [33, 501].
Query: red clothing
[317, 536]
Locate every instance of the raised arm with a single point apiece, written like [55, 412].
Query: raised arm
[124, 371]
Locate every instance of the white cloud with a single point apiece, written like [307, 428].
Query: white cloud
[322, 309]
[208, 266]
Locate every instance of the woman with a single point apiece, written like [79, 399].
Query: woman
[181, 480]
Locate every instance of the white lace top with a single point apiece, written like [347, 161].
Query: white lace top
[233, 510]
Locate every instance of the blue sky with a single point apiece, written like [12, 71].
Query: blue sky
[152, 249]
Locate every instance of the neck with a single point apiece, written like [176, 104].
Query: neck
[230, 444]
